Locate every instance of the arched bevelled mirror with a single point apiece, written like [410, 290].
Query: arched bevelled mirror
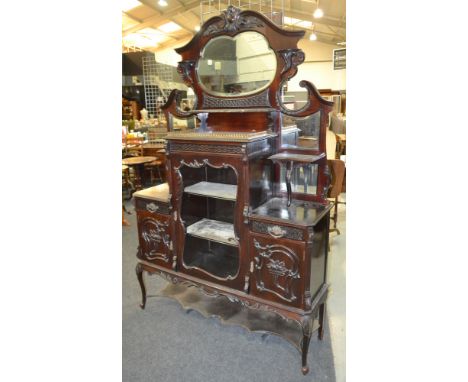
[236, 66]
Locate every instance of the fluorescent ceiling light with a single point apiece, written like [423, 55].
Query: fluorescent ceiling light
[313, 37]
[318, 13]
[139, 41]
[170, 27]
[298, 22]
[129, 4]
[145, 38]
[162, 3]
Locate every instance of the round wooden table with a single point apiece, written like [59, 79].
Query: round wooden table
[138, 165]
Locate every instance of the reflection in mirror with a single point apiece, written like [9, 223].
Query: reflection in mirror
[186, 101]
[303, 179]
[179, 124]
[236, 66]
[301, 133]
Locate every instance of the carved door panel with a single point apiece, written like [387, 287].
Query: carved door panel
[277, 269]
[154, 239]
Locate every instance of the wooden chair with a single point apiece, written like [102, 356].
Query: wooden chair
[133, 151]
[337, 171]
[154, 166]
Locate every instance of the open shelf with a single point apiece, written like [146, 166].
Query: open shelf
[213, 190]
[298, 158]
[213, 258]
[213, 230]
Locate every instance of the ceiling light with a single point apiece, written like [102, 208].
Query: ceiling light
[197, 28]
[162, 3]
[129, 4]
[318, 13]
[170, 27]
[313, 36]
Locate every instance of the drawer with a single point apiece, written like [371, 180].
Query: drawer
[277, 231]
[154, 236]
[152, 206]
[278, 269]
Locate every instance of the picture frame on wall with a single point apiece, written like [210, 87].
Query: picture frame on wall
[339, 59]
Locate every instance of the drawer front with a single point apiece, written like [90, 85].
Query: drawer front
[277, 269]
[152, 206]
[276, 231]
[154, 239]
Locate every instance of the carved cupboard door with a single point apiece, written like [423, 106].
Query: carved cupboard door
[155, 240]
[277, 269]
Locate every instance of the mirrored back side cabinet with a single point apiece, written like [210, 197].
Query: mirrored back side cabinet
[241, 227]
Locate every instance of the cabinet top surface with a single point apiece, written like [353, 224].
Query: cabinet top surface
[159, 193]
[219, 136]
[299, 212]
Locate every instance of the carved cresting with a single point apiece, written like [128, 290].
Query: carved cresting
[154, 233]
[282, 264]
[232, 20]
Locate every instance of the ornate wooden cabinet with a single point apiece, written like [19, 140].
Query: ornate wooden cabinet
[242, 224]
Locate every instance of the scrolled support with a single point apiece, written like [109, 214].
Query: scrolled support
[315, 102]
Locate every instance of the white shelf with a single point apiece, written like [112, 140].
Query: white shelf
[213, 190]
[213, 230]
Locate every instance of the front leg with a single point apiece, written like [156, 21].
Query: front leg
[139, 272]
[306, 332]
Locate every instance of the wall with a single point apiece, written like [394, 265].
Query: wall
[318, 68]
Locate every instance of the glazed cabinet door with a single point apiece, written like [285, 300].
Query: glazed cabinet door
[277, 269]
[154, 239]
[208, 194]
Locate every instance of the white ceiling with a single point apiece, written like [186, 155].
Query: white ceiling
[148, 25]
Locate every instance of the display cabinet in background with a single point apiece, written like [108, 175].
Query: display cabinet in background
[240, 229]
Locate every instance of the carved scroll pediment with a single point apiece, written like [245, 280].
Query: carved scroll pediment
[231, 20]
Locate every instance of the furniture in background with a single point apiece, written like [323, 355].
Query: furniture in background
[126, 185]
[156, 149]
[337, 171]
[237, 235]
[338, 123]
[137, 164]
[340, 145]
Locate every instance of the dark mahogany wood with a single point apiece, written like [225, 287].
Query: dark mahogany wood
[273, 255]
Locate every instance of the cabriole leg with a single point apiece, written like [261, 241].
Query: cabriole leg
[306, 331]
[139, 272]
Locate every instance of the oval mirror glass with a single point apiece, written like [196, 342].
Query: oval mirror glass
[236, 66]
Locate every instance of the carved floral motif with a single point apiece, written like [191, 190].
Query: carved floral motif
[154, 233]
[232, 20]
[274, 258]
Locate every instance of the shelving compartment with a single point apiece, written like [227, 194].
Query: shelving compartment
[207, 212]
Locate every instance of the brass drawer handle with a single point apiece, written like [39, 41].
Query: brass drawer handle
[276, 231]
[151, 207]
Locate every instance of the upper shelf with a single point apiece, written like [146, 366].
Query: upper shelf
[292, 157]
[213, 190]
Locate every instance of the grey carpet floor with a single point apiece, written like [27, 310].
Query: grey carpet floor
[164, 343]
